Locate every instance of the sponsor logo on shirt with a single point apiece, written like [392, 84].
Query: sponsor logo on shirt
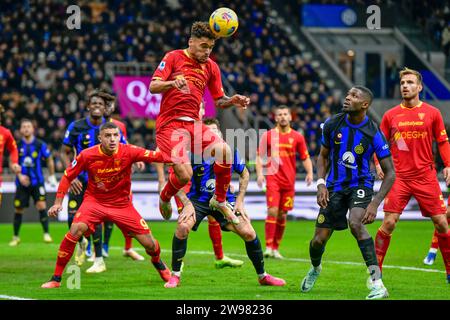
[410, 135]
[348, 160]
[410, 123]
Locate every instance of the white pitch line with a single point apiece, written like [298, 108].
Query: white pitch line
[305, 260]
[13, 297]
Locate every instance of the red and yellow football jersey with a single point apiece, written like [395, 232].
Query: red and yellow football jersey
[410, 132]
[175, 103]
[280, 149]
[7, 141]
[109, 175]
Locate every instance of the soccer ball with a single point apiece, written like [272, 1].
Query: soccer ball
[223, 22]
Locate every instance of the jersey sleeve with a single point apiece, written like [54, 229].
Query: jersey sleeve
[439, 132]
[45, 151]
[165, 67]
[238, 162]
[69, 136]
[302, 149]
[147, 156]
[385, 126]
[381, 146]
[11, 146]
[215, 82]
[76, 167]
[326, 134]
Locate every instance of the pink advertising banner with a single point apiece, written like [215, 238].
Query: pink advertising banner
[136, 101]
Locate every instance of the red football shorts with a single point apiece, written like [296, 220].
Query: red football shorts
[425, 189]
[127, 219]
[277, 197]
[177, 138]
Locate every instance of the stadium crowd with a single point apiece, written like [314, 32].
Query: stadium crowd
[46, 70]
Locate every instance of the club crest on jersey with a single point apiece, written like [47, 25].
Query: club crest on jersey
[359, 149]
[421, 116]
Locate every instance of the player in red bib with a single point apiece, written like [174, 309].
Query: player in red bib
[181, 78]
[411, 128]
[7, 141]
[280, 146]
[107, 197]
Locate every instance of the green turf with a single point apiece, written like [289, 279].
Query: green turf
[24, 268]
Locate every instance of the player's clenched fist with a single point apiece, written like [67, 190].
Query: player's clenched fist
[240, 101]
[54, 210]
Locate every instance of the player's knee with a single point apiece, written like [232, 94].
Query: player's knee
[389, 225]
[77, 230]
[318, 242]
[356, 227]
[183, 231]
[248, 234]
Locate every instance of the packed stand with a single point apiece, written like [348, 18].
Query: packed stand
[46, 70]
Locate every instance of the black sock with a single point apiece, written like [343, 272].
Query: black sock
[179, 248]
[255, 254]
[316, 254]
[108, 231]
[17, 223]
[56, 278]
[97, 240]
[43, 217]
[367, 248]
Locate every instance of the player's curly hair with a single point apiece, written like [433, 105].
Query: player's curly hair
[407, 70]
[96, 93]
[201, 29]
[108, 97]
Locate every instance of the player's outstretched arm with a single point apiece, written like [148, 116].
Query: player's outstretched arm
[389, 177]
[148, 156]
[236, 100]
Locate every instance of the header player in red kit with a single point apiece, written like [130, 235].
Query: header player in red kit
[7, 140]
[280, 145]
[107, 197]
[411, 128]
[182, 77]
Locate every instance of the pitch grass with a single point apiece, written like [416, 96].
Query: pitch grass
[24, 268]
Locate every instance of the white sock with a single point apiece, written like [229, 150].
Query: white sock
[433, 250]
[98, 260]
[262, 275]
[176, 273]
[377, 283]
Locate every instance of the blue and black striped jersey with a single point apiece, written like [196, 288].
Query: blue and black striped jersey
[351, 150]
[30, 159]
[204, 180]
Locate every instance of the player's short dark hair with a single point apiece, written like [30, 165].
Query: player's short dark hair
[407, 70]
[367, 93]
[108, 125]
[108, 97]
[281, 107]
[201, 29]
[209, 121]
[23, 120]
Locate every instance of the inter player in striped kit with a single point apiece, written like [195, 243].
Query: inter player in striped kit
[349, 140]
[30, 182]
[7, 141]
[82, 134]
[196, 208]
[181, 78]
[281, 146]
[411, 128]
[107, 197]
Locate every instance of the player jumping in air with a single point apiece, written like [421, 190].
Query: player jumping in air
[349, 140]
[280, 145]
[107, 197]
[196, 208]
[411, 128]
[182, 77]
